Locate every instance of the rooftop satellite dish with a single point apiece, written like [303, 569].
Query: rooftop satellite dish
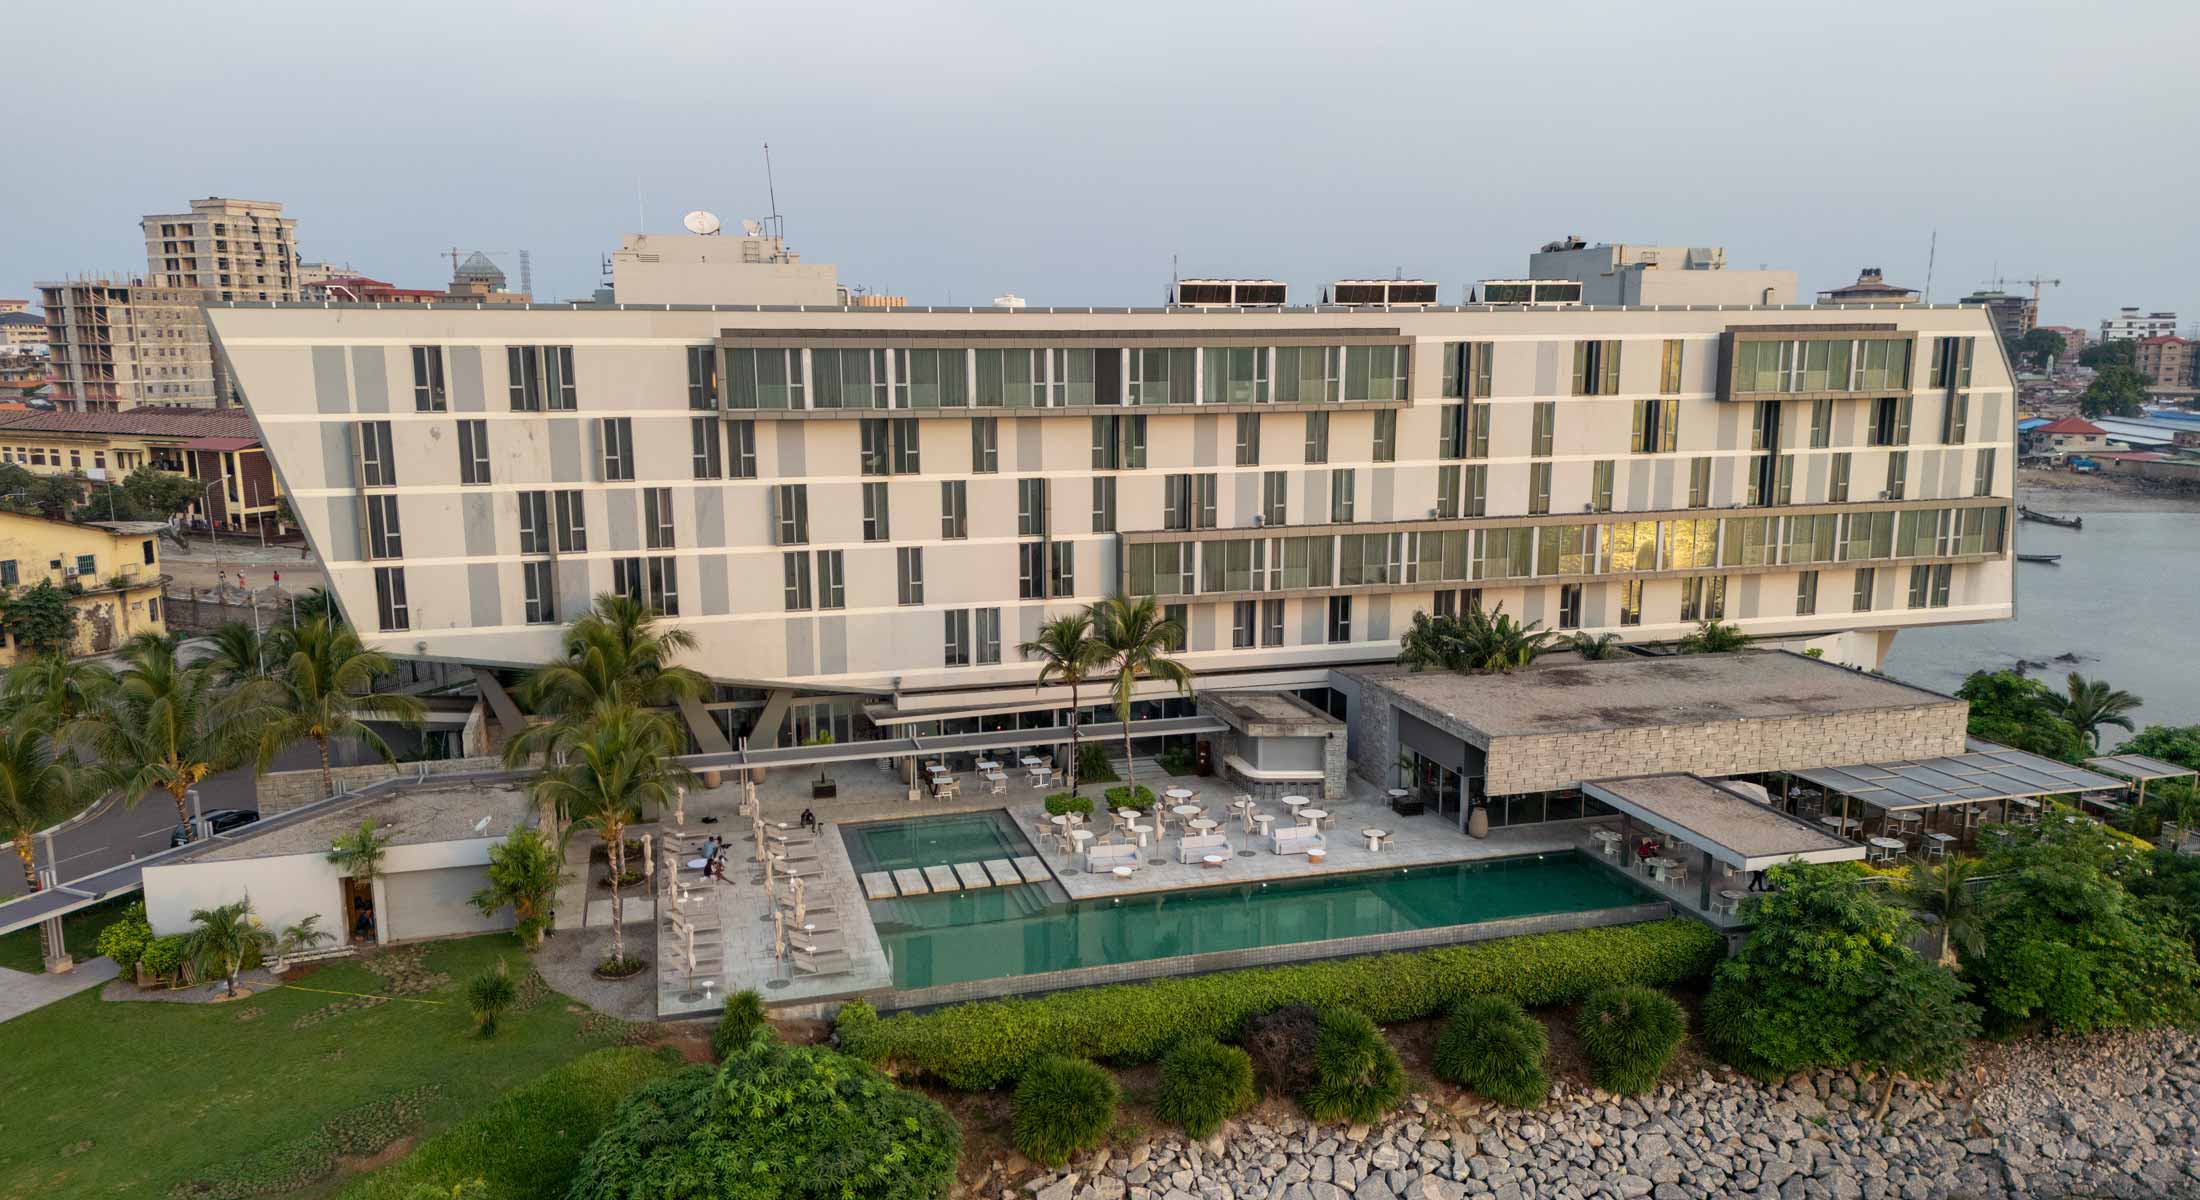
[752, 228]
[700, 222]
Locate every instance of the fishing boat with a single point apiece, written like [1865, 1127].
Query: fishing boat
[2049, 559]
[2050, 518]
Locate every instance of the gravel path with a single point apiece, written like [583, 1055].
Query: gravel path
[2109, 1116]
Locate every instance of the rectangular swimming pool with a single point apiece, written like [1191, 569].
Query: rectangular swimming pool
[940, 841]
[997, 932]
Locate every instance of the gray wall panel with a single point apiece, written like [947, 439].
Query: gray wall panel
[792, 452]
[331, 383]
[370, 379]
[832, 643]
[710, 570]
[479, 514]
[1204, 437]
[481, 588]
[1030, 445]
[565, 452]
[1382, 495]
[336, 453]
[801, 645]
[464, 383]
[622, 508]
[343, 529]
[710, 516]
[575, 592]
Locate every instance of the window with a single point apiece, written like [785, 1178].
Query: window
[1699, 482]
[791, 507]
[955, 509]
[657, 531]
[1072, 382]
[572, 522]
[618, 448]
[1866, 579]
[1317, 437]
[1165, 376]
[1837, 484]
[1464, 432]
[876, 527]
[626, 579]
[988, 622]
[1596, 368]
[797, 571]
[848, 379]
[1982, 483]
[1386, 435]
[985, 446]
[383, 537]
[1031, 507]
[1821, 424]
[906, 459]
[703, 440]
[1376, 372]
[1890, 421]
[1764, 429]
[1544, 430]
[770, 379]
[1165, 568]
[956, 651]
[873, 456]
[1031, 570]
[1248, 439]
[1657, 426]
[1951, 367]
[1783, 485]
[1340, 619]
[702, 364]
[1103, 504]
[1118, 442]
[1929, 585]
[664, 585]
[146, 548]
[389, 598]
[540, 585]
[832, 580]
[1955, 422]
[1539, 489]
[1600, 485]
[377, 460]
[889, 447]
[541, 377]
[1307, 374]
[1669, 367]
[1806, 593]
[1447, 492]
[1236, 374]
[1062, 569]
[1341, 490]
[741, 449]
[1275, 490]
[1703, 598]
[1271, 622]
[1630, 602]
[1475, 488]
[1569, 606]
[473, 452]
[428, 394]
[1242, 620]
[1898, 474]
[909, 574]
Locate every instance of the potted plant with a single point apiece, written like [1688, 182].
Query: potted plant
[823, 787]
[304, 937]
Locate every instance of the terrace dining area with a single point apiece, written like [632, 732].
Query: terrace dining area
[1931, 808]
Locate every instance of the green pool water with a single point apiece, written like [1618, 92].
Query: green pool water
[996, 932]
[922, 842]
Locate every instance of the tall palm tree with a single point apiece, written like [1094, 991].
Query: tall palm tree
[1948, 891]
[38, 787]
[57, 686]
[162, 726]
[1714, 637]
[361, 851]
[1067, 651]
[242, 654]
[1134, 642]
[616, 654]
[224, 938]
[2090, 704]
[320, 693]
[621, 761]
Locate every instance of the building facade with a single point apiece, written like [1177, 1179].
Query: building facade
[1628, 274]
[2074, 343]
[2167, 361]
[2013, 316]
[226, 249]
[659, 268]
[884, 504]
[22, 332]
[2131, 323]
[119, 343]
[218, 447]
[109, 572]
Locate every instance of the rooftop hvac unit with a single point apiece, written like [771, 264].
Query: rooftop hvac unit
[1386, 293]
[1228, 293]
[1537, 293]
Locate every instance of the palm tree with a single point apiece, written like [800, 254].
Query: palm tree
[616, 654]
[1135, 640]
[306, 935]
[1497, 642]
[1948, 892]
[361, 851]
[242, 654]
[1594, 645]
[1436, 641]
[621, 761]
[162, 725]
[1067, 651]
[223, 939]
[524, 872]
[2090, 704]
[1714, 637]
[321, 693]
[60, 687]
[38, 787]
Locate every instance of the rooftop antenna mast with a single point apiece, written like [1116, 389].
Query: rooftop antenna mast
[1932, 249]
[771, 190]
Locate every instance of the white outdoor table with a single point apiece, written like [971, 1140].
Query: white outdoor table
[1838, 824]
[1028, 760]
[1264, 822]
[1120, 872]
[1374, 837]
[1294, 803]
[1177, 793]
[1202, 824]
[1313, 816]
[1141, 831]
[987, 764]
[1211, 860]
[1610, 838]
[1660, 865]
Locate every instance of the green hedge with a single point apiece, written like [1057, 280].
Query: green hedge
[985, 1044]
[527, 1144]
[1061, 803]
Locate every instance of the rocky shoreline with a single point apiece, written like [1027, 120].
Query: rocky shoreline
[2116, 1115]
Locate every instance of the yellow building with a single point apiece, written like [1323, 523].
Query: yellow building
[209, 445]
[110, 571]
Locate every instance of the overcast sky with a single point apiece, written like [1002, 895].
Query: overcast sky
[950, 152]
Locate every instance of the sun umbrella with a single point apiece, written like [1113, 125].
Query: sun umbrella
[679, 806]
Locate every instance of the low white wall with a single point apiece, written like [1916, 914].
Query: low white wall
[425, 890]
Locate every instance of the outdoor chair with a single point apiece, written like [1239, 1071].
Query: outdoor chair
[1298, 839]
[827, 962]
[1192, 849]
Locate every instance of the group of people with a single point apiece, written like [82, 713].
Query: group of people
[714, 858]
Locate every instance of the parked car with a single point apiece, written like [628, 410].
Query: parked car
[221, 820]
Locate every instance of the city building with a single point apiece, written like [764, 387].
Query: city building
[110, 571]
[2130, 324]
[22, 332]
[1871, 287]
[862, 513]
[312, 274]
[14, 306]
[2074, 343]
[2166, 360]
[1622, 274]
[754, 268]
[2013, 316]
[227, 249]
[117, 343]
[2057, 440]
[358, 289]
[214, 446]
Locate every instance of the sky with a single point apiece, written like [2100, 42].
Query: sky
[950, 152]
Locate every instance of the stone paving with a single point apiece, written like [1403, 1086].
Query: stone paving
[22, 992]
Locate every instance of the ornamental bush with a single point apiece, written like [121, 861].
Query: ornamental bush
[163, 956]
[125, 940]
[1492, 1046]
[1063, 1106]
[1203, 1084]
[1357, 1075]
[1281, 1044]
[742, 1020]
[1069, 802]
[790, 1122]
[1629, 1034]
[982, 1045]
[1137, 796]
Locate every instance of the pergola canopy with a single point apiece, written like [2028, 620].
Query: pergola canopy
[1727, 824]
[2139, 768]
[1985, 773]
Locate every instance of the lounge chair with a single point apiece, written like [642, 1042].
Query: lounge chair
[1298, 839]
[824, 962]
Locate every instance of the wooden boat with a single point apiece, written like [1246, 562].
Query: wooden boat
[2050, 559]
[2050, 518]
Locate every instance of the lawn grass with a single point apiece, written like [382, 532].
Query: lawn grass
[79, 930]
[138, 1099]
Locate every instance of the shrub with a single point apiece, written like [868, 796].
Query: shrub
[983, 1045]
[1063, 1105]
[126, 939]
[1068, 802]
[1092, 764]
[1137, 796]
[1629, 1034]
[1177, 760]
[488, 996]
[742, 1020]
[792, 1122]
[1492, 1046]
[1281, 1046]
[163, 956]
[1357, 1075]
[1203, 1084]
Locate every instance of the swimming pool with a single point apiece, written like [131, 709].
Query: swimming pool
[995, 932]
[940, 841]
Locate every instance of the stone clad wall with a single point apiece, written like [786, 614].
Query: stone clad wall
[281, 791]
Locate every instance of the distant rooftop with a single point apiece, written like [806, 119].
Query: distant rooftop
[154, 419]
[413, 817]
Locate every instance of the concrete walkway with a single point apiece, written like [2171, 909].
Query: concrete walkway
[22, 992]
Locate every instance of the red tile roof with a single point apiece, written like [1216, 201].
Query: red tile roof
[152, 419]
[2073, 425]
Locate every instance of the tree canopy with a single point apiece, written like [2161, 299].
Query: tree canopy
[2116, 391]
[2039, 346]
[2122, 352]
[2013, 710]
[2178, 744]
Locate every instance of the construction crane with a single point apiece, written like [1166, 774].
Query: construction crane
[2035, 283]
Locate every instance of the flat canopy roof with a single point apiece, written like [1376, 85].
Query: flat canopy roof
[958, 743]
[1575, 696]
[1732, 827]
[2138, 767]
[1984, 773]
